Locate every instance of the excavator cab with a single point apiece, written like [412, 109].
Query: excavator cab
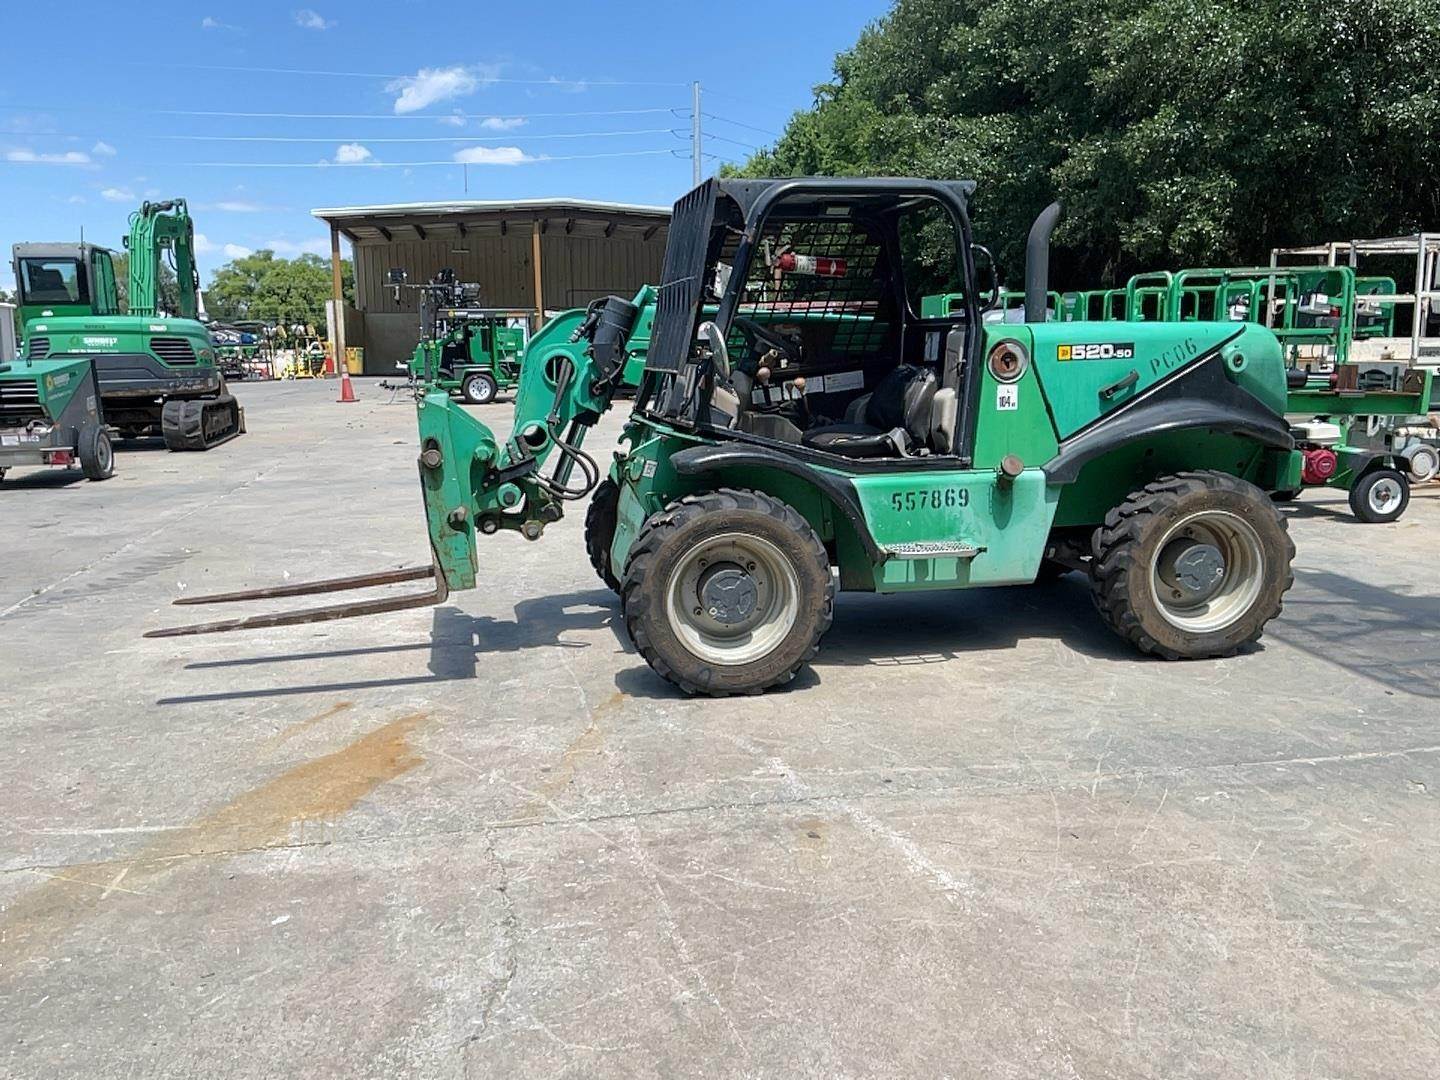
[64, 279]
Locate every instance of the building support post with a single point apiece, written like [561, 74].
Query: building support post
[337, 317]
[539, 287]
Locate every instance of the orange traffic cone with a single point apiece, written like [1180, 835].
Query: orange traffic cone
[347, 390]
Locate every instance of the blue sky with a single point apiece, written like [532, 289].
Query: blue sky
[543, 98]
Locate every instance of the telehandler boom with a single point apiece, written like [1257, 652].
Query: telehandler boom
[803, 426]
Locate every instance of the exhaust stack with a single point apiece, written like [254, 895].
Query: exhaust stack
[1037, 263]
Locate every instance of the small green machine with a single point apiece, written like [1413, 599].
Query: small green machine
[802, 427]
[470, 350]
[477, 352]
[51, 414]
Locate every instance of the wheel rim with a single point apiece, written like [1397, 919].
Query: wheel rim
[1384, 495]
[103, 453]
[1207, 571]
[732, 599]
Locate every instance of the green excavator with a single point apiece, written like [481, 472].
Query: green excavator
[157, 369]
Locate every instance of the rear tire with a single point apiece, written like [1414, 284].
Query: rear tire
[1191, 566]
[1380, 496]
[479, 389]
[728, 592]
[600, 520]
[97, 456]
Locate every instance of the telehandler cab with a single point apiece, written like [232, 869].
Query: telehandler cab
[802, 425]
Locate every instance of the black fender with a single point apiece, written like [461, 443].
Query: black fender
[1199, 397]
[699, 460]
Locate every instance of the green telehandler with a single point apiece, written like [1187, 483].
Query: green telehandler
[802, 426]
[158, 372]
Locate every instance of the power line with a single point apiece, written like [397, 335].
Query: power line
[737, 142]
[449, 162]
[513, 137]
[432, 117]
[553, 80]
[737, 123]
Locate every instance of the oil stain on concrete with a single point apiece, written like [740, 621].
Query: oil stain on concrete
[318, 790]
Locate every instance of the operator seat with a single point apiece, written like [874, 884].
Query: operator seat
[887, 422]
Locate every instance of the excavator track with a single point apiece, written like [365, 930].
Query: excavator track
[201, 423]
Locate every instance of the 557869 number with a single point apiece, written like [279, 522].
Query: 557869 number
[930, 499]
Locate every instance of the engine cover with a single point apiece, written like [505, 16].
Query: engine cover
[1320, 465]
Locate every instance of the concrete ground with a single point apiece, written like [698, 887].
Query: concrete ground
[978, 838]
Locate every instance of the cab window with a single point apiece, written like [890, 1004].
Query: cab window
[52, 281]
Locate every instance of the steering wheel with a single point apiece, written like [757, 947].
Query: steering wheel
[757, 334]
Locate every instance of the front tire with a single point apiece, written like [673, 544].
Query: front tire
[1380, 496]
[600, 519]
[728, 592]
[97, 456]
[1192, 566]
[479, 389]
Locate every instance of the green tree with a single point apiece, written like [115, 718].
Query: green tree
[1201, 134]
[283, 291]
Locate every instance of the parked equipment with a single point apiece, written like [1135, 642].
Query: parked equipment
[795, 421]
[51, 414]
[475, 350]
[157, 371]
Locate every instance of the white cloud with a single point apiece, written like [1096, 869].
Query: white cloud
[236, 206]
[103, 149]
[77, 200]
[30, 157]
[115, 194]
[493, 155]
[352, 153]
[289, 248]
[573, 86]
[502, 123]
[209, 22]
[310, 19]
[429, 85]
[455, 119]
[205, 246]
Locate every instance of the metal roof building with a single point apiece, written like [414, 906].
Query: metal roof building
[540, 255]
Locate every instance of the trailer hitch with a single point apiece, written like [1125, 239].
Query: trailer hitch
[378, 606]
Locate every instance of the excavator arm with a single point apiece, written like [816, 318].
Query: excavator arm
[475, 484]
[155, 228]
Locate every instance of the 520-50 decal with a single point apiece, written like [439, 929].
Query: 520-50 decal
[930, 499]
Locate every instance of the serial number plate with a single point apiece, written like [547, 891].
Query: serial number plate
[930, 499]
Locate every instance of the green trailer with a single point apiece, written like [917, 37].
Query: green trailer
[51, 415]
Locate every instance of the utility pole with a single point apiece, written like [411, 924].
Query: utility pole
[696, 153]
